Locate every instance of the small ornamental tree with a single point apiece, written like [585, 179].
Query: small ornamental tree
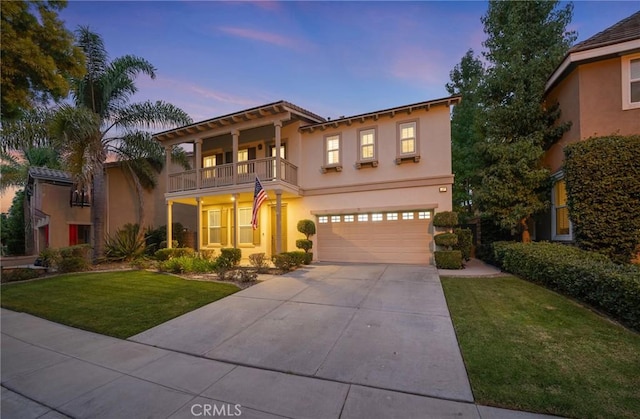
[447, 259]
[308, 228]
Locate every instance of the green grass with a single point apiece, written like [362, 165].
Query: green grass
[528, 348]
[119, 304]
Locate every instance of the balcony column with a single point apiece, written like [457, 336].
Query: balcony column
[199, 224]
[169, 224]
[198, 157]
[234, 220]
[278, 127]
[278, 221]
[167, 165]
[235, 134]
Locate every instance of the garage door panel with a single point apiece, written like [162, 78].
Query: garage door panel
[384, 241]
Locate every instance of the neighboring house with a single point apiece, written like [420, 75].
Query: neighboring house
[598, 89]
[57, 214]
[371, 182]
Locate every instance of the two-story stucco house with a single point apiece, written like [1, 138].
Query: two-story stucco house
[597, 86]
[371, 182]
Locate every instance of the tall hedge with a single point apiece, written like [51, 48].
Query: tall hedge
[603, 187]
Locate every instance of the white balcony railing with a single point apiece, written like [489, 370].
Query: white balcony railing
[234, 174]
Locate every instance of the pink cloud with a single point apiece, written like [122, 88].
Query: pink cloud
[267, 37]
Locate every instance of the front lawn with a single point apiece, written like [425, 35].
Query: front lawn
[119, 304]
[528, 348]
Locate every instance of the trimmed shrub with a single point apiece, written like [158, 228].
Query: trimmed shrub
[298, 258]
[259, 261]
[157, 238]
[304, 244]
[465, 242]
[603, 187]
[283, 261]
[448, 259]
[19, 274]
[445, 219]
[174, 252]
[587, 276]
[232, 255]
[446, 239]
[186, 264]
[74, 258]
[208, 254]
[307, 227]
[308, 258]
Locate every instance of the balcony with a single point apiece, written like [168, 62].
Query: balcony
[239, 173]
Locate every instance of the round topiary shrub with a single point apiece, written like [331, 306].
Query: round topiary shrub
[446, 219]
[448, 259]
[446, 239]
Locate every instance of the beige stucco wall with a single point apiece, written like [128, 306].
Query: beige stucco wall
[591, 98]
[54, 201]
[123, 204]
[434, 134]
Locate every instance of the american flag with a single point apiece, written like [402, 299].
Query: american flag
[259, 196]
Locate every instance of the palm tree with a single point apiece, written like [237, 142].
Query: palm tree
[26, 143]
[103, 122]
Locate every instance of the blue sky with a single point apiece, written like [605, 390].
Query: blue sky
[332, 58]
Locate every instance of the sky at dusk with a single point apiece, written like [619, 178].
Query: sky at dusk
[332, 58]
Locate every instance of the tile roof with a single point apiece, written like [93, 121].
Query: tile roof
[625, 30]
[45, 173]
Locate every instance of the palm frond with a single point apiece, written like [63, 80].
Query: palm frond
[150, 115]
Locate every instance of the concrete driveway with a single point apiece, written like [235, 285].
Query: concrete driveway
[385, 327]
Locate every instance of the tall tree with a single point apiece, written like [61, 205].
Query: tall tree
[103, 121]
[526, 41]
[38, 55]
[466, 80]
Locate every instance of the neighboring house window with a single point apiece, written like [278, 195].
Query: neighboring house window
[392, 216]
[79, 234]
[79, 197]
[363, 217]
[244, 222]
[631, 82]
[407, 216]
[215, 226]
[424, 215]
[323, 219]
[349, 218]
[335, 218]
[332, 151]
[560, 217]
[407, 141]
[376, 217]
[367, 148]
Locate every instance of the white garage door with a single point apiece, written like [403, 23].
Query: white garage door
[376, 237]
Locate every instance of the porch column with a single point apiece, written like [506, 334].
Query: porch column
[198, 157]
[169, 224]
[199, 224]
[167, 165]
[235, 134]
[278, 221]
[234, 220]
[278, 127]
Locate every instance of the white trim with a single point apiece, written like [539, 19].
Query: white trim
[558, 237]
[589, 54]
[626, 82]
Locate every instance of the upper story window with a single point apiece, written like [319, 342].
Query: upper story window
[367, 153]
[407, 141]
[631, 81]
[209, 161]
[332, 153]
[80, 197]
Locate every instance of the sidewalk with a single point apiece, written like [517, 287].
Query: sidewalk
[473, 268]
[54, 371]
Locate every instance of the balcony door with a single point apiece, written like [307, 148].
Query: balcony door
[273, 164]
